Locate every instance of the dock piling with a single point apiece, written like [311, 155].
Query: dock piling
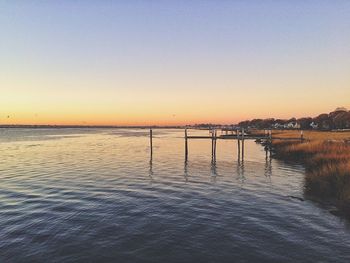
[151, 141]
[238, 145]
[213, 144]
[215, 140]
[186, 145]
[242, 143]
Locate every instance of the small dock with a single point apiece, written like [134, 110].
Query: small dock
[240, 135]
[247, 137]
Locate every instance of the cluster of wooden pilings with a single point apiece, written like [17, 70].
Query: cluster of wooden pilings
[238, 134]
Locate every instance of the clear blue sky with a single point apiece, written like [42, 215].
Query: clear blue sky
[172, 61]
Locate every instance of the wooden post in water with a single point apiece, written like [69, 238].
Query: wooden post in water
[301, 135]
[242, 143]
[238, 144]
[186, 145]
[212, 144]
[151, 141]
[215, 144]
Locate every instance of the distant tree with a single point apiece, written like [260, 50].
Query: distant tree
[324, 121]
[305, 123]
[341, 120]
[256, 123]
[267, 123]
[292, 120]
[244, 124]
[281, 121]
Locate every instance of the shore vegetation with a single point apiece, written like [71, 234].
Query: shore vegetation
[326, 156]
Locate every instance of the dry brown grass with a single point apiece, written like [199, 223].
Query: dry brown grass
[330, 180]
[313, 135]
[327, 159]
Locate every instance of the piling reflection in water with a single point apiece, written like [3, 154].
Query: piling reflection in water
[240, 171]
[213, 169]
[186, 170]
[151, 168]
[268, 164]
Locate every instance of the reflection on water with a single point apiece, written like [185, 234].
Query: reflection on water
[268, 165]
[240, 171]
[151, 168]
[186, 170]
[95, 195]
[213, 168]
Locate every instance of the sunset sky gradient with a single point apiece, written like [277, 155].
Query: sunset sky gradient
[171, 62]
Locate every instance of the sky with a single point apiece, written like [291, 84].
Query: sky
[171, 62]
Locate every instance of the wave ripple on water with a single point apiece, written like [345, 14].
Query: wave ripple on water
[94, 196]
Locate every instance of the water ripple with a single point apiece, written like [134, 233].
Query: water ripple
[94, 196]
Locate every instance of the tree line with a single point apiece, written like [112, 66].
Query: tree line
[338, 119]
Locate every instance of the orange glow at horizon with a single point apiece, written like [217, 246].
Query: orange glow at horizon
[148, 118]
[28, 101]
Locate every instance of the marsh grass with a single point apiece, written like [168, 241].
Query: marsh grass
[327, 164]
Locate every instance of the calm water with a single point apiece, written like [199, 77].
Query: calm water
[92, 195]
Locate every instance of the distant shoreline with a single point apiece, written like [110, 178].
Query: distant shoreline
[87, 127]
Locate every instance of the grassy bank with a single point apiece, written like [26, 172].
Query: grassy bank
[326, 156]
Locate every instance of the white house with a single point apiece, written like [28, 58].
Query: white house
[313, 125]
[292, 125]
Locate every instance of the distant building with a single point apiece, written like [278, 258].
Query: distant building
[292, 125]
[313, 125]
[277, 126]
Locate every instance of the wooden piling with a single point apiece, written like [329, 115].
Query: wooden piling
[215, 139]
[151, 141]
[242, 143]
[238, 145]
[213, 144]
[301, 135]
[186, 145]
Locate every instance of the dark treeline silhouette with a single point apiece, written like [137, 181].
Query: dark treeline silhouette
[337, 119]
